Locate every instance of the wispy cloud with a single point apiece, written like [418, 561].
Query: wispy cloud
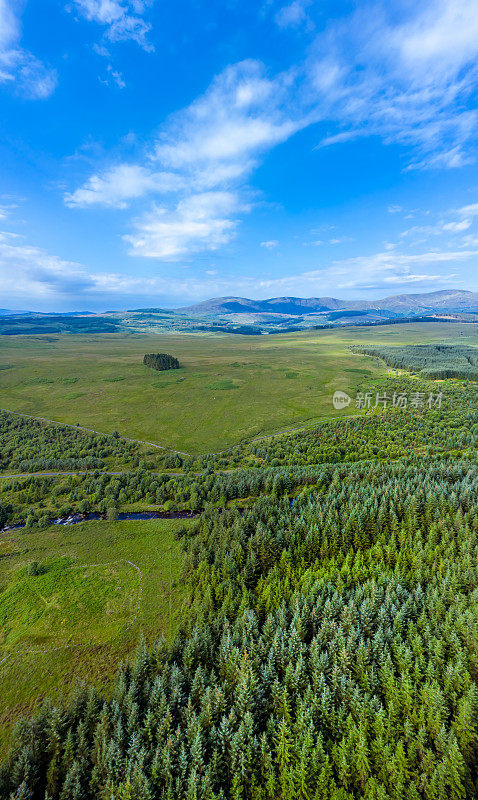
[340, 239]
[470, 210]
[122, 19]
[18, 67]
[395, 268]
[113, 77]
[270, 245]
[461, 221]
[29, 271]
[218, 137]
[294, 15]
[441, 228]
[118, 186]
[457, 227]
[199, 222]
[406, 82]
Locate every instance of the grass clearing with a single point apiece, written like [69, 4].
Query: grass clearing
[63, 606]
[74, 603]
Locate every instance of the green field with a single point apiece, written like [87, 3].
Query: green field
[230, 388]
[77, 621]
[61, 608]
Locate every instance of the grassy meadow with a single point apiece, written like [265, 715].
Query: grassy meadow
[87, 611]
[230, 387]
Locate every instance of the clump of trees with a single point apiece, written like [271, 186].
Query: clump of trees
[160, 361]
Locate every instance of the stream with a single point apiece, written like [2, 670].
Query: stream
[74, 519]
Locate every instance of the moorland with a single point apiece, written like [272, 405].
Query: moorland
[229, 388]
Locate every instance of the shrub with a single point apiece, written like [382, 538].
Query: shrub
[35, 568]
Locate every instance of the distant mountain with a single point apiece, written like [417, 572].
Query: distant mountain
[447, 300]
[428, 302]
[275, 305]
[149, 311]
[8, 312]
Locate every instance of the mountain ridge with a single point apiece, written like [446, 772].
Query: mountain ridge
[452, 300]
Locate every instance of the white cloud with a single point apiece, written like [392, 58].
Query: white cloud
[469, 241]
[422, 231]
[211, 144]
[28, 271]
[114, 76]
[397, 268]
[202, 154]
[447, 159]
[340, 239]
[270, 245]
[242, 114]
[471, 210]
[332, 241]
[443, 37]
[437, 230]
[457, 227]
[200, 222]
[119, 185]
[18, 66]
[293, 15]
[9, 25]
[122, 18]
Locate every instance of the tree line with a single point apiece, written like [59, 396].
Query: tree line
[428, 360]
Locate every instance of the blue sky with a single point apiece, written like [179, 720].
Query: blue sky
[159, 153]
